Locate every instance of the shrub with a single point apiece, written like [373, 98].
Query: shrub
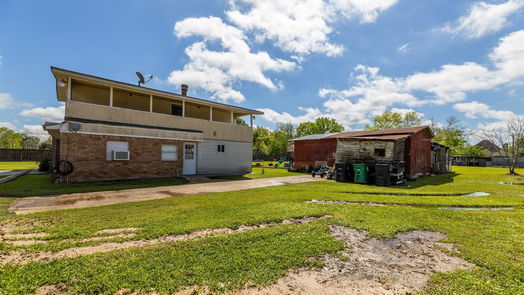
[45, 165]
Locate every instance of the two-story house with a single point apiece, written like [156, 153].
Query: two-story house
[115, 130]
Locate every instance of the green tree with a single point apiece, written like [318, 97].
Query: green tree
[287, 128]
[279, 139]
[10, 139]
[395, 120]
[452, 134]
[29, 142]
[321, 125]
[46, 144]
[240, 121]
[278, 143]
[261, 140]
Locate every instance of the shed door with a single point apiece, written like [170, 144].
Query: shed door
[190, 157]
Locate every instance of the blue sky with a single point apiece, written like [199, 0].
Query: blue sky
[295, 60]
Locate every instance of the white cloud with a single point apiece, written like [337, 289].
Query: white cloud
[50, 114]
[484, 18]
[7, 125]
[275, 117]
[404, 48]
[6, 101]
[508, 56]
[216, 71]
[477, 109]
[451, 82]
[296, 26]
[366, 10]
[35, 130]
[302, 26]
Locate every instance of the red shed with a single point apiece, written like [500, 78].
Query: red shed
[411, 146]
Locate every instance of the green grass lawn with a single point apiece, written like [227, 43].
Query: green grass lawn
[18, 165]
[493, 240]
[266, 163]
[36, 185]
[260, 173]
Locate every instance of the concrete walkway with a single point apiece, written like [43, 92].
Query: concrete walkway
[83, 200]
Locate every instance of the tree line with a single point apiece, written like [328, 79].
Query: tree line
[10, 139]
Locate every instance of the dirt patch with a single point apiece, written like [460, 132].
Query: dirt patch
[22, 257]
[26, 242]
[346, 203]
[102, 238]
[10, 226]
[372, 266]
[58, 289]
[117, 230]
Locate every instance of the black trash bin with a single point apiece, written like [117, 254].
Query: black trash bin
[382, 174]
[341, 174]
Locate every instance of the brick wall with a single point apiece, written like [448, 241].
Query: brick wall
[88, 155]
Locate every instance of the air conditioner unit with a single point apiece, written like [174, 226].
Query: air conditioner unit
[120, 155]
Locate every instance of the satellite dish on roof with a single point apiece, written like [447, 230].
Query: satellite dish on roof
[142, 80]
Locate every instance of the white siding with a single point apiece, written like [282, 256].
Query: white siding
[236, 158]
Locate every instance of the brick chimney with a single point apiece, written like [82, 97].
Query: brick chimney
[184, 88]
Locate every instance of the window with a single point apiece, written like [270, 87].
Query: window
[220, 148]
[117, 146]
[176, 109]
[380, 152]
[189, 153]
[169, 152]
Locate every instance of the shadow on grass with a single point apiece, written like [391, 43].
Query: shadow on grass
[431, 180]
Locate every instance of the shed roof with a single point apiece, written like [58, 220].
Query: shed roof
[314, 136]
[383, 134]
[383, 137]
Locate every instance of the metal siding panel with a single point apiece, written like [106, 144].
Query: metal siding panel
[236, 157]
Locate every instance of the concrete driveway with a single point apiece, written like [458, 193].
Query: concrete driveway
[202, 186]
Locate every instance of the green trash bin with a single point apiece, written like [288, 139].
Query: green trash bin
[361, 173]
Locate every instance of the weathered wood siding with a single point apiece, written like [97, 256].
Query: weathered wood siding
[350, 150]
[236, 158]
[418, 153]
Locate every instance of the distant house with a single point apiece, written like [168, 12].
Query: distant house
[115, 130]
[489, 148]
[410, 147]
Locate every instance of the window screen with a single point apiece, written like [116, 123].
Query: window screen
[169, 152]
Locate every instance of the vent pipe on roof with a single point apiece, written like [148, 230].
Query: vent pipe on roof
[184, 88]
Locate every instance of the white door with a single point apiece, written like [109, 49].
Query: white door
[189, 158]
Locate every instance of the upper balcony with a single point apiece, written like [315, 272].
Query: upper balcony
[92, 97]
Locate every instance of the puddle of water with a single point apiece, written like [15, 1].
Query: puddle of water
[476, 208]
[511, 183]
[408, 194]
[477, 194]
